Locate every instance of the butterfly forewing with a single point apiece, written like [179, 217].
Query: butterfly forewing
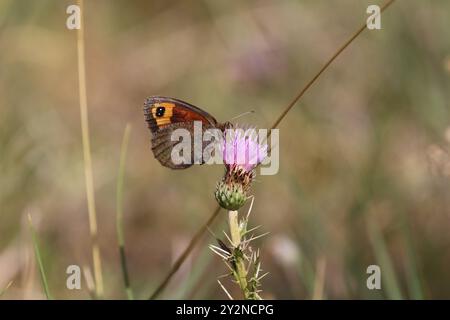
[165, 115]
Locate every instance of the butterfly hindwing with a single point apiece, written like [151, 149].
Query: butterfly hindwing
[162, 146]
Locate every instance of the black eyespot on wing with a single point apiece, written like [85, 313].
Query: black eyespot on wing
[160, 111]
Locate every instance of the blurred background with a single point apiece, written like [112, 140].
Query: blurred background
[365, 162]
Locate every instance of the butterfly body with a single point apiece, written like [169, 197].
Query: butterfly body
[165, 115]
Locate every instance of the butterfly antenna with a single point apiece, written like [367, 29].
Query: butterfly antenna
[243, 114]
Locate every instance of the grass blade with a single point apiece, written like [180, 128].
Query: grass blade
[119, 215]
[383, 258]
[39, 259]
[6, 288]
[319, 283]
[412, 271]
[88, 172]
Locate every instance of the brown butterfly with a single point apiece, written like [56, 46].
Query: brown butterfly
[164, 115]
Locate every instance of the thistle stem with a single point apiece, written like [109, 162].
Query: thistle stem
[235, 233]
[239, 271]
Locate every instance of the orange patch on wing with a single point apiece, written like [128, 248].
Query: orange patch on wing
[168, 112]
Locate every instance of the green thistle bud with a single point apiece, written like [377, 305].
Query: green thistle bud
[230, 196]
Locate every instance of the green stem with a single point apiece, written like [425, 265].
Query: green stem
[37, 253]
[119, 217]
[240, 273]
[234, 228]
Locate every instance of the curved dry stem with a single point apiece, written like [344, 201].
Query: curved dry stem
[325, 66]
[297, 98]
[185, 254]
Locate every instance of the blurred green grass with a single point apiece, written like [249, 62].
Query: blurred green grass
[367, 146]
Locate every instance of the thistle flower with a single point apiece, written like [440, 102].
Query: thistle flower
[241, 154]
[241, 147]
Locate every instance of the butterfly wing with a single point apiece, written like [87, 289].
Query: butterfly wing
[165, 115]
[162, 146]
[161, 111]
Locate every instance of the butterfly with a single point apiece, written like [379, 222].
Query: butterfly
[164, 115]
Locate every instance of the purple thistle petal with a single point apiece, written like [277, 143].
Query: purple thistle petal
[241, 147]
